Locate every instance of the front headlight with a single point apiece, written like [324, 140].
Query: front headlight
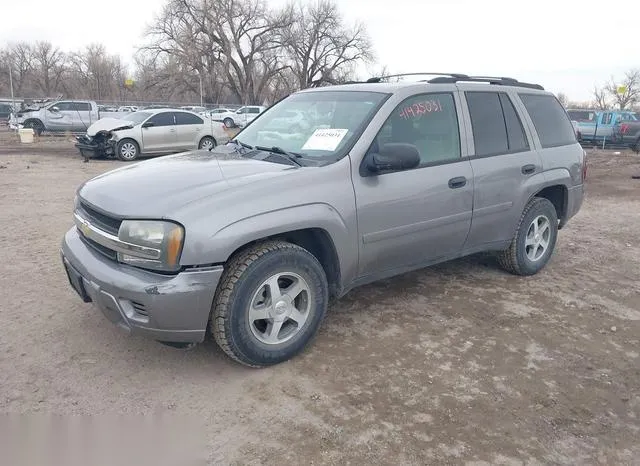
[156, 245]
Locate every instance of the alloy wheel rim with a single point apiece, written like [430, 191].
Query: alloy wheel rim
[279, 308]
[538, 238]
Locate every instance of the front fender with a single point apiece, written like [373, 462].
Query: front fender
[221, 245]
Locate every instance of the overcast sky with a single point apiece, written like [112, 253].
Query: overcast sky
[556, 43]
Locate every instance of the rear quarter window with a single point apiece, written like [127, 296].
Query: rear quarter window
[550, 120]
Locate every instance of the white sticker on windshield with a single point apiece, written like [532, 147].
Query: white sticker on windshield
[325, 139]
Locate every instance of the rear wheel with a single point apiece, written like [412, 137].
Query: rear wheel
[127, 150]
[207, 143]
[228, 122]
[636, 146]
[270, 303]
[535, 239]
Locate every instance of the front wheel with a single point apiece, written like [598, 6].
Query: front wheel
[207, 143]
[228, 122]
[270, 303]
[535, 239]
[127, 150]
[36, 125]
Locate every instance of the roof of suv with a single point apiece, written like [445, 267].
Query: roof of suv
[377, 85]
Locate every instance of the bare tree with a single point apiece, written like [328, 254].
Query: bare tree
[96, 72]
[18, 57]
[600, 98]
[238, 39]
[321, 45]
[563, 99]
[631, 85]
[50, 65]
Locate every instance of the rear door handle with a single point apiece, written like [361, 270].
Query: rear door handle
[528, 169]
[457, 182]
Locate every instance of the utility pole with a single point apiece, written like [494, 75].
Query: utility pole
[201, 96]
[13, 100]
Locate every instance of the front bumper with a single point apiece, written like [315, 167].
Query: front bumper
[94, 149]
[172, 308]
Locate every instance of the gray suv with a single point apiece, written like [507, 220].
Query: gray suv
[250, 241]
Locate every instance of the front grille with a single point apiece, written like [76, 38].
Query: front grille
[109, 253]
[100, 220]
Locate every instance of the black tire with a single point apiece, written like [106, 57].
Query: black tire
[36, 125]
[515, 259]
[207, 141]
[228, 122]
[123, 153]
[241, 282]
[636, 146]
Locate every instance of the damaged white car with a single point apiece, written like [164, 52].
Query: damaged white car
[150, 132]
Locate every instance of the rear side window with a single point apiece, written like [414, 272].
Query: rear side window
[254, 110]
[550, 120]
[183, 118]
[487, 121]
[83, 106]
[515, 132]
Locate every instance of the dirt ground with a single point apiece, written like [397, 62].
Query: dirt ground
[458, 364]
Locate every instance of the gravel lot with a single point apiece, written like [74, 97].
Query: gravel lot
[457, 364]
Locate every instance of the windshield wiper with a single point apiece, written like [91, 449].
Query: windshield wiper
[242, 144]
[291, 156]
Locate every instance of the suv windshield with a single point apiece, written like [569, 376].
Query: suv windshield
[316, 124]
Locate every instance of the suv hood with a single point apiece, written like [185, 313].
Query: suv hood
[157, 188]
[108, 124]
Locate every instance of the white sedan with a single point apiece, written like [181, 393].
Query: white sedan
[150, 132]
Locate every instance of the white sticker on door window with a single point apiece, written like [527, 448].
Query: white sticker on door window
[325, 139]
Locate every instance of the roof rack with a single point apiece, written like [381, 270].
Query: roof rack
[496, 80]
[457, 77]
[378, 79]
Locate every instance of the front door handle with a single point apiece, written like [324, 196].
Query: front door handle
[528, 169]
[457, 182]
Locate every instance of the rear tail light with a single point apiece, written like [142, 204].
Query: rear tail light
[624, 128]
[584, 165]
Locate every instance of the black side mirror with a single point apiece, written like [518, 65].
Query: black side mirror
[148, 124]
[394, 156]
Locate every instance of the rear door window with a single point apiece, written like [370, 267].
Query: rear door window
[487, 122]
[550, 120]
[516, 136]
[82, 106]
[183, 118]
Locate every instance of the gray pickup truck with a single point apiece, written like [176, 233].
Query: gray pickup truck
[62, 116]
[249, 242]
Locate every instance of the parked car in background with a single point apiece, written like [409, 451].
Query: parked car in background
[249, 243]
[597, 127]
[5, 112]
[62, 115]
[128, 108]
[150, 132]
[240, 117]
[219, 111]
[628, 133]
[194, 108]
